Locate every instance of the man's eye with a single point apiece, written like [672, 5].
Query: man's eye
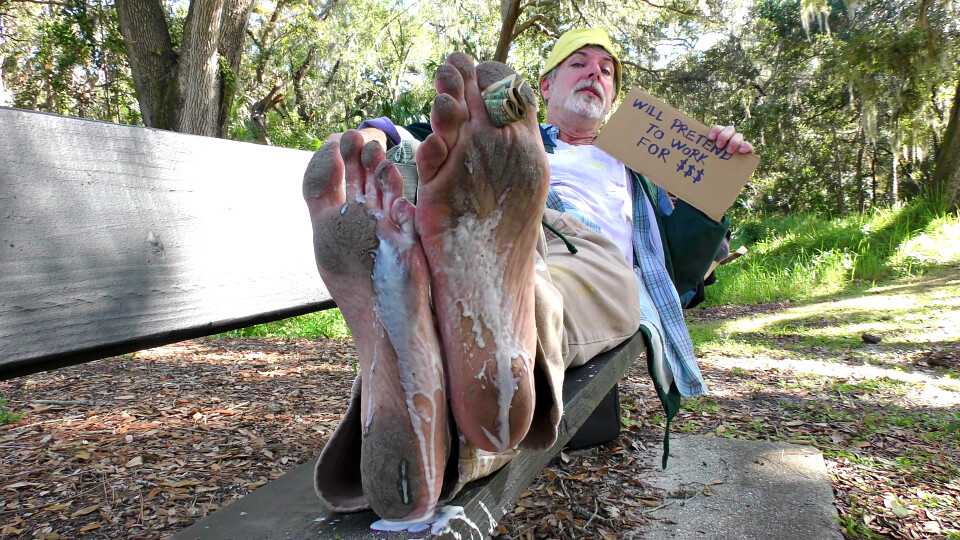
[607, 71]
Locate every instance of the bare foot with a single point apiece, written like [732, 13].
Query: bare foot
[371, 261]
[479, 205]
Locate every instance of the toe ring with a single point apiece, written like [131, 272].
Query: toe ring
[504, 102]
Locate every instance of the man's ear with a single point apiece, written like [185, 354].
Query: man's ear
[545, 88]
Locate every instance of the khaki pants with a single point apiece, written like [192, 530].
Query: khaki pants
[586, 303]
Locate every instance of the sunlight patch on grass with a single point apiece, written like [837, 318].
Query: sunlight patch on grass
[805, 255]
[326, 324]
[940, 390]
[937, 245]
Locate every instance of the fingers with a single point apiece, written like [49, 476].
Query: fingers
[728, 137]
[368, 134]
[734, 144]
[374, 134]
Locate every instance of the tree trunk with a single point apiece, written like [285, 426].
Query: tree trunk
[236, 17]
[190, 92]
[200, 69]
[860, 193]
[6, 98]
[946, 175]
[264, 42]
[894, 178]
[303, 108]
[258, 115]
[509, 13]
[153, 61]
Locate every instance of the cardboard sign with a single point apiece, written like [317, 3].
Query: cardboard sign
[671, 149]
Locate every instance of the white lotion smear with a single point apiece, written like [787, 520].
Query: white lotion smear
[418, 354]
[484, 298]
[438, 522]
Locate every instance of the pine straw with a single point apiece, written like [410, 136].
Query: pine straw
[142, 447]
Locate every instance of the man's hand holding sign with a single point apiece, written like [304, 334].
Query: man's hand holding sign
[684, 156]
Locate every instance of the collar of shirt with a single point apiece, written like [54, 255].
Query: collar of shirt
[549, 133]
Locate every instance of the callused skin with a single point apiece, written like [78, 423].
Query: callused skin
[371, 261]
[480, 199]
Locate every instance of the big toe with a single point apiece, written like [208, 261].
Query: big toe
[490, 73]
[323, 179]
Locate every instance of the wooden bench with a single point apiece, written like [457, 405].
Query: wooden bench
[118, 238]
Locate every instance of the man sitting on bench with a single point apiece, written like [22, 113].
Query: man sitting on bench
[512, 267]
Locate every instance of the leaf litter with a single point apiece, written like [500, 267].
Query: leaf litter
[144, 445]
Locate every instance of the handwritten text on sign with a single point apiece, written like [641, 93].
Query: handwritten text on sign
[672, 150]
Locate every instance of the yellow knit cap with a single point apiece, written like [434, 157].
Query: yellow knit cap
[573, 40]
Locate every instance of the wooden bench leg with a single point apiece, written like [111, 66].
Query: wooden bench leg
[602, 426]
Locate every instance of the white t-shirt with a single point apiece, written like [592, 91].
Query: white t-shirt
[594, 182]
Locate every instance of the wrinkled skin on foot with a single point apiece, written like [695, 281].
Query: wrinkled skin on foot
[479, 204]
[370, 259]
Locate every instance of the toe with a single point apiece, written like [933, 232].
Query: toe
[371, 156]
[403, 213]
[446, 117]
[490, 72]
[324, 172]
[351, 144]
[323, 179]
[471, 92]
[389, 183]
[430, 157]
[449, 81]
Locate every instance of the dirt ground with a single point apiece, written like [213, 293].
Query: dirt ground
[144, 445]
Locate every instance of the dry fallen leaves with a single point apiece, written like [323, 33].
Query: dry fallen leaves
[142, 447]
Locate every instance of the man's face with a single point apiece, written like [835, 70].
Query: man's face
[584, 85]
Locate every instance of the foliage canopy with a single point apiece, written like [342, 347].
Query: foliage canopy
[853, 105]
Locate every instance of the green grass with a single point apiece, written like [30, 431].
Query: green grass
[807, 255]
[327, 324]
[7, 417]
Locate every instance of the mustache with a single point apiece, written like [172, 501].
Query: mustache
[592, 84]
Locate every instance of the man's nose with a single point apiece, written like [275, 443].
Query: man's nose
[595, 70]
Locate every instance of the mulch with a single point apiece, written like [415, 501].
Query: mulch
[144, 445]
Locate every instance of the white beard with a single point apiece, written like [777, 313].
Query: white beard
[583, 103]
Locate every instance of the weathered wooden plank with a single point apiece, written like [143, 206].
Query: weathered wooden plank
[287, 507]
[114, 238]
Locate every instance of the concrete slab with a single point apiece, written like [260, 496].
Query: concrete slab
[718, 488]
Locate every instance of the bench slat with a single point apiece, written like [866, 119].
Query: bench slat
[288, 508]
[115, 238]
